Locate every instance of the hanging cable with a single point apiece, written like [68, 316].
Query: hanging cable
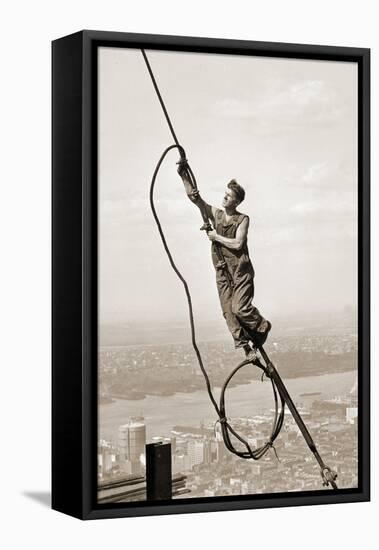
[161, 100]
[226, 428]
[279, 389]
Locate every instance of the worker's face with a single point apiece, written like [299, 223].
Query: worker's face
[230, 199]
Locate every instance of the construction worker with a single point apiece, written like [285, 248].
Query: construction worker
[229, 235]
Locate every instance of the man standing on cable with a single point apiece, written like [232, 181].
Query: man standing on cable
[230, 238]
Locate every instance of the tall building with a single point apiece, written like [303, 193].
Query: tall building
[195, 452]
[221, 450]
[131, 442]
[106, 458]
[207, 451]
[351, 414]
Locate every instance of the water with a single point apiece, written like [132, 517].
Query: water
[190, 409]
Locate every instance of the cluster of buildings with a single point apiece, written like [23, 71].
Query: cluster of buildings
[137, 371]
[330, 344]
[128, 456]
[199, 452]
[211, 470]
[333, 426]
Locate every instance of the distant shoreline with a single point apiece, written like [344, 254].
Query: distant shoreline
[127, 335]
[147, 394]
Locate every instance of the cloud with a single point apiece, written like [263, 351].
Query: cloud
[300, 103]
[314, 227]
[135, 212]
[328, 194]
[316, 173]
[325, 209]
[324, 177]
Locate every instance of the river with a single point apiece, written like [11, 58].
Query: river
[190, 409]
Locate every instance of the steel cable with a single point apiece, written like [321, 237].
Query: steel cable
[226, 429]
[328, 475]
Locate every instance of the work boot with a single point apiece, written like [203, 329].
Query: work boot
[251, 353]
[260, 335]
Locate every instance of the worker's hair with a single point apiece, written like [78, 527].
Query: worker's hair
[237, 190]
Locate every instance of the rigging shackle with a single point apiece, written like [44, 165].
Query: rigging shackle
[328, 476]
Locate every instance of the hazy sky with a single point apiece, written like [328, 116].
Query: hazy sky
[285, 129]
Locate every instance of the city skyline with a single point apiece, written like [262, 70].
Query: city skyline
[161, 387]
[199, 452]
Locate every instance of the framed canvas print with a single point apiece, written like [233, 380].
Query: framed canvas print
[210, 274]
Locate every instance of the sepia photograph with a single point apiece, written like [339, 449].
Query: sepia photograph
[227, 361]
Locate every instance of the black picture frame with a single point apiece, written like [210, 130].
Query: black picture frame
[74, 273]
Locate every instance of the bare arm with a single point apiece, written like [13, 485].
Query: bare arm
[238, 241]
[195, 197]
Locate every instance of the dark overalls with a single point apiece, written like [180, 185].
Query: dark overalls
[241, 316]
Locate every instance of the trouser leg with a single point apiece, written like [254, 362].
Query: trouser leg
[242, 307]
[236, 329]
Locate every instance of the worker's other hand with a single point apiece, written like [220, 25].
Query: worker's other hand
[212, 235]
